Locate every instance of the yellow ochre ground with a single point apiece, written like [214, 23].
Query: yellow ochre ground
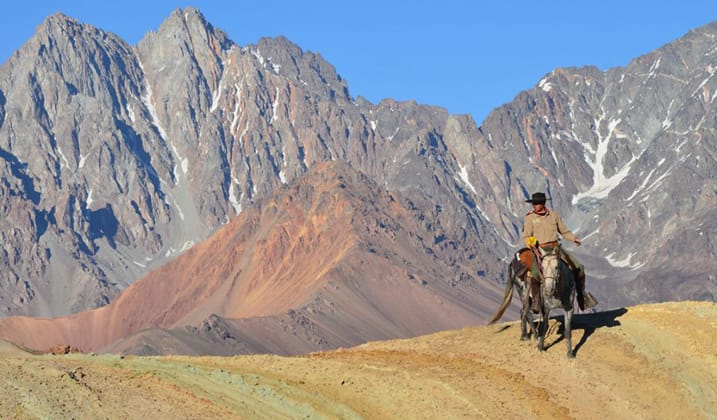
[647, 361]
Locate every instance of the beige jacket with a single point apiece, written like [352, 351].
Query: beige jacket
[546, 228]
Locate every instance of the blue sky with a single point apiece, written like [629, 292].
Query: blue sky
[466, 56]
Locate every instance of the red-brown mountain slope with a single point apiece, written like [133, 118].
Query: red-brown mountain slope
[331, 255]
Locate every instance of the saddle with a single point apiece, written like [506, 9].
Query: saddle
[527, 266]
[529, 261]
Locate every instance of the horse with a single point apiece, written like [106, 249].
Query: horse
[557, 290]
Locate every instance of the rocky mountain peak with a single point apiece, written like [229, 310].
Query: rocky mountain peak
[58, 33]
[57, 24]
[289, 60]
[189, 25]
[60, 30]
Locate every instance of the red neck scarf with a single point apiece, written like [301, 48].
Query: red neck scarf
[542, 213]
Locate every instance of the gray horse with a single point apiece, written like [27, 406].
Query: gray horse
[557, 291]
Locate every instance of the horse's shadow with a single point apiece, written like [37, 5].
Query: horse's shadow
[588, 323]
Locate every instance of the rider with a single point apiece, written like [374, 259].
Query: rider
[544, 225]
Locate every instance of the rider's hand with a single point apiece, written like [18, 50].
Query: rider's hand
[577, 241]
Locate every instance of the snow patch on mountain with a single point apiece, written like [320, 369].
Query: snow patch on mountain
[602, 185]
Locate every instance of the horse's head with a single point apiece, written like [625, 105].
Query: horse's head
[551, 268]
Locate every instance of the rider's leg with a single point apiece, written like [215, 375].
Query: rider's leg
[585, 299]
[589, 300]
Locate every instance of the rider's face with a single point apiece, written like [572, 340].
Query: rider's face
[538, 207]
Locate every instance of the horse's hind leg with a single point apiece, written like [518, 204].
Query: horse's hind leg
[525, 319]
[531, 322]
[568, 328]
[542, 330]
[524, 336]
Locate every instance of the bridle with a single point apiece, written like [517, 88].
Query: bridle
[551, 268]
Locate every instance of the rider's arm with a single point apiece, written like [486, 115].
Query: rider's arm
[564, 231]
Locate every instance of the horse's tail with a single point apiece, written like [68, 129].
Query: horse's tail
[506, 298]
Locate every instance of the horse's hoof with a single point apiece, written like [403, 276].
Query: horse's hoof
[525, 338]
[571, 355]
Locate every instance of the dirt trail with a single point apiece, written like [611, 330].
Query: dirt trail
[650, 361]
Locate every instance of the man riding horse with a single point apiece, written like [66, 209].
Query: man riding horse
[541, 229]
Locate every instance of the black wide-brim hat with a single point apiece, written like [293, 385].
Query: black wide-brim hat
[537, 198]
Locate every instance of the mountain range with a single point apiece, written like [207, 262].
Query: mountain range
[251, 193]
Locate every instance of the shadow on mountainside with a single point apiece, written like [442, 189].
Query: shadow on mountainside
[588, 322]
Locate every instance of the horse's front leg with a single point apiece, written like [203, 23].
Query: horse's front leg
[568, 328]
